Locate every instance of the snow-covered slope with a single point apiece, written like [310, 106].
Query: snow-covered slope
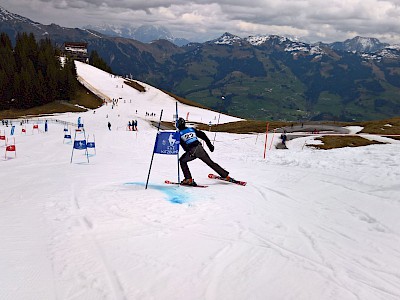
[309, 224]
[151, 101]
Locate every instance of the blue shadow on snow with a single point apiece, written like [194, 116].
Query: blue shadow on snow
[175, 194]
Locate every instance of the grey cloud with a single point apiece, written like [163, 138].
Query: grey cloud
[361, 17]
[316, 19]
[125, 4]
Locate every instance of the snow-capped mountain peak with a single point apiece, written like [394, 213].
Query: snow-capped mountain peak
[144, 33]
[149, 33]
[5, 15]
[227, 39]
[288, 44]
[257, 40]
[359, 44]
[366, 43]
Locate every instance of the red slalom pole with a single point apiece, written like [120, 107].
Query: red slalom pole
[266, 138]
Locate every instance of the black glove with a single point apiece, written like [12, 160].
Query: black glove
[211, 147]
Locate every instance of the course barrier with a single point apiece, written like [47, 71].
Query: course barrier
[91, 145]
[3, 137]
[35, 126]
[80, 144]
[67, 136]
[10, 148]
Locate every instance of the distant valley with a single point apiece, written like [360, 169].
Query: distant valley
[259, 77]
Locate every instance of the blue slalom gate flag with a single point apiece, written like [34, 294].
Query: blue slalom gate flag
[167, 142]
[91, 144]
[80, 145]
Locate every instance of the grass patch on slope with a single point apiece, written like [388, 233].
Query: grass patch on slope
[244, 126]
[135, 85]
[382, 127]
[86, 98]
[333, 142]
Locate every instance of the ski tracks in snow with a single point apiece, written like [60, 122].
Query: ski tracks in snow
[75, 240]
[314, 236]
[111, 274]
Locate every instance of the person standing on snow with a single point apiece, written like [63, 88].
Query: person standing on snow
[109, 126]
[193, 149]
[284, 137]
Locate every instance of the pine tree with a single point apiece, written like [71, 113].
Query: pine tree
[7, 69]
[31, 74]
[51, 82]
[40, 88]
[5, 41]
[3, 89]
[20, 51]
[70, 79]
[16, 90]
[26, 89]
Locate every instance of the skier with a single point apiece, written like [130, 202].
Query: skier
[284, 137]
[109, 126]
[193, 149]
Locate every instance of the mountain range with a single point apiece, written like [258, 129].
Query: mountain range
[258, 77]
[144, 33]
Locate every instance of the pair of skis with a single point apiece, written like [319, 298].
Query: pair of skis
[212, 176]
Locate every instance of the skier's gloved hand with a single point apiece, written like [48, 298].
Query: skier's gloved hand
[211, 147]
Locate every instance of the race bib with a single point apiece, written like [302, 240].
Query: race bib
[188, 136]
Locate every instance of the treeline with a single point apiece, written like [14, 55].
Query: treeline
[32, 73]
[96, 61]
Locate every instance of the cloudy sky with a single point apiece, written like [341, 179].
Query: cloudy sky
[200, 20]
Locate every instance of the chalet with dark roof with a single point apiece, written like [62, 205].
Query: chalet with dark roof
[77, 50]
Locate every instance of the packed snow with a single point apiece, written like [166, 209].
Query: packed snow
[310, 224]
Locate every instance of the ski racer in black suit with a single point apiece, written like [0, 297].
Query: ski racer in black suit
[189, 140]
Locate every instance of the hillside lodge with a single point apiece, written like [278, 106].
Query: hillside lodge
[77, 51]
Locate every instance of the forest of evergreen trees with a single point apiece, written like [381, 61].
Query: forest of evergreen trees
[96, 61]
[32, 73]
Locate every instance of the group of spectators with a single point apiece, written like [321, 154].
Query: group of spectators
[132, 125]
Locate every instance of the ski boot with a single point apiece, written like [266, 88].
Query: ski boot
[188, 181]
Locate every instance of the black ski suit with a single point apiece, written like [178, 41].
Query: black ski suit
[193, 149]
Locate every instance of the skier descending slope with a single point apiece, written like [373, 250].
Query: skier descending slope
[193, 149]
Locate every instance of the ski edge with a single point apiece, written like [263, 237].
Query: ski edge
[178, 183]
[238, 182]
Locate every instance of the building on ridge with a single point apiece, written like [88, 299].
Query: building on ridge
[77, 51]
